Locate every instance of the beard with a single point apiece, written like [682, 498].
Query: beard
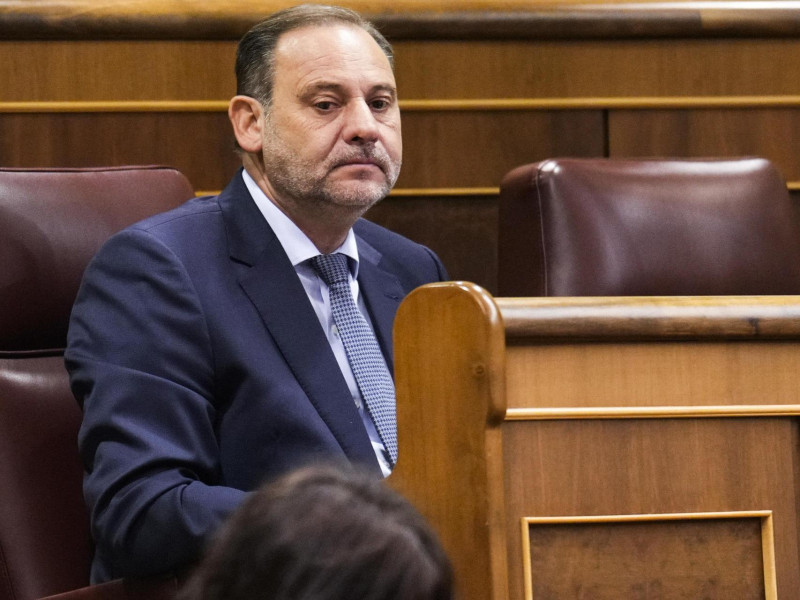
[307, 182]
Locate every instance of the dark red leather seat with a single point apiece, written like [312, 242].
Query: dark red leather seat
[51, 223]
[606, 227]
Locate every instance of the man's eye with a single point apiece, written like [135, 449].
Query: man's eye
[324, 105]
[380, 104]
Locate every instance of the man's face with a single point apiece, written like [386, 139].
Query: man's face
[332, 133]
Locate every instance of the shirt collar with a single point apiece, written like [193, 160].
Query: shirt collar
[298, 247]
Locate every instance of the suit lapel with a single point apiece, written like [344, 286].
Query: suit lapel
[382, 295]
[273, 287]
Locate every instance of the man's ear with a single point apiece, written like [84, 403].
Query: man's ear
[245, 114]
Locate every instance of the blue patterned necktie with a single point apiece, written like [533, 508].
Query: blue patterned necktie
[361, 346]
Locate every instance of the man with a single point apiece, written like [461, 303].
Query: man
[326, 534]
[205, 346]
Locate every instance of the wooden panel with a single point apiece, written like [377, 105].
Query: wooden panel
[618, 467]
[477, 148]
[607, 68]
[103, 70]
[648, 375]
[671, 558]
[198, 144]
[462, 230]
[452, 387]
[171, 70]
[464, 456]
[772, 133]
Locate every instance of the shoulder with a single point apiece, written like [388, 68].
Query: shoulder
[196, 210]
[174, 245]
[191, 225]
[399, 254]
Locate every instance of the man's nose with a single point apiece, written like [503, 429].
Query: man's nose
[360, 124]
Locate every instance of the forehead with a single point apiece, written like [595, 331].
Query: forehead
[306, 55]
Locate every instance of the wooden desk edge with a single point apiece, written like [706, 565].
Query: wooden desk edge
[632, 318]
[406, 19]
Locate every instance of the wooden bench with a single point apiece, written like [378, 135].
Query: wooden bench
[610, 447]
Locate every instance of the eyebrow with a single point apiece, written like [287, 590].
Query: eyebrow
[339, 88]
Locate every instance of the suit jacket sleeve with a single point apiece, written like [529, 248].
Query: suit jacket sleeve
[141, 363]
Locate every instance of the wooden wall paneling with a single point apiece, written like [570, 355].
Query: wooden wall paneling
[198, 144]
[466, 69]
[39, 71]
[607, 68]
[773, 133]
[460, 227]
[476, 148]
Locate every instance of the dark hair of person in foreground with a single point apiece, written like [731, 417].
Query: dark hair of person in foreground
[324, 534]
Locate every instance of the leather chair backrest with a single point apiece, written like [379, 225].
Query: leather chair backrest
[51, 224]
[649, 227]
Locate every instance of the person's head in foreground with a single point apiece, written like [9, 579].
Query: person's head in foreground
[324, 534]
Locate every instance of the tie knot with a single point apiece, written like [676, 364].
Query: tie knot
[332, 268]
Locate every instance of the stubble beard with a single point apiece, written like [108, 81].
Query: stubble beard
[313, 186]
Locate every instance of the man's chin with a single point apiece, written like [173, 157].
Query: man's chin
[357, 193]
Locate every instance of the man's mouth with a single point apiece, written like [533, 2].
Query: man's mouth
[368, 157]
[360, 162]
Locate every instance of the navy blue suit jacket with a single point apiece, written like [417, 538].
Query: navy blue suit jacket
[203, 370]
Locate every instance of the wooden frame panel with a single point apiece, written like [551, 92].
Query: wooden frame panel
[478, 464]
[688, 556]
